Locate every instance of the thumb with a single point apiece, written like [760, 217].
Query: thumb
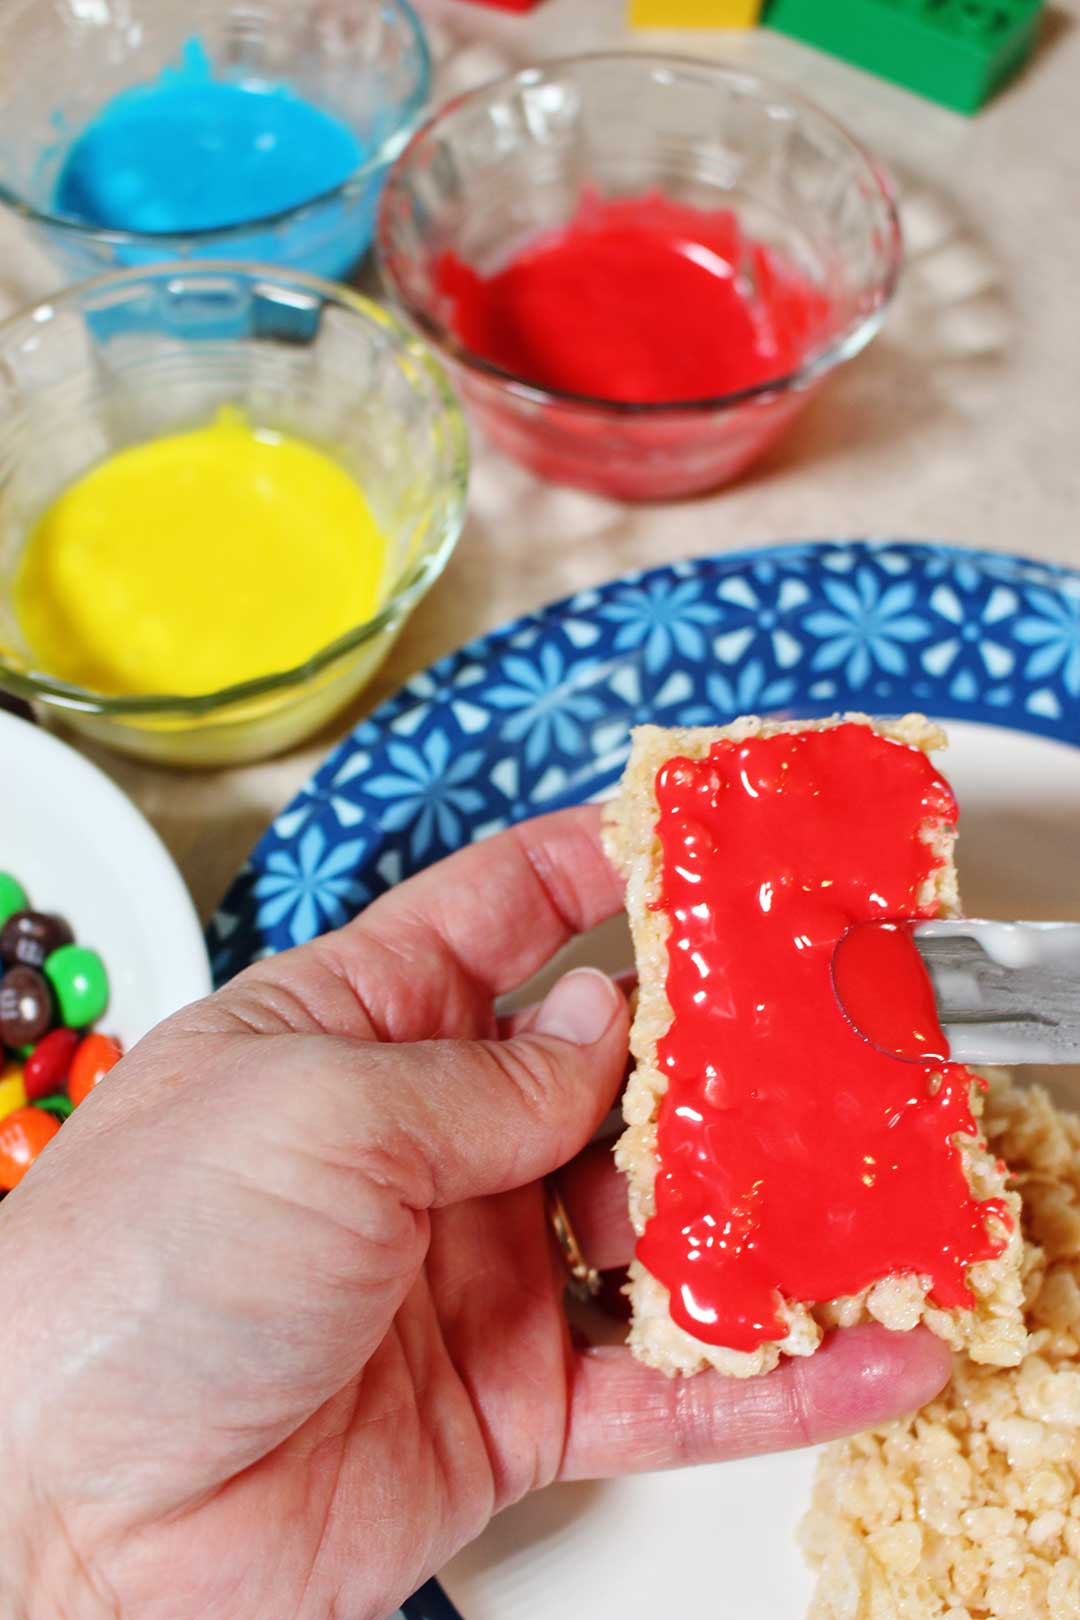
[463, 1119]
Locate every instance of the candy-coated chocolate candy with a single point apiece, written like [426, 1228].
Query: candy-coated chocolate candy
[57, 1105]
[26, 1008]
[12, 1092]
[97, 1054]
[80, 983]
[12, 896]
[30, 936]
[23, 1134]
[49, 1063]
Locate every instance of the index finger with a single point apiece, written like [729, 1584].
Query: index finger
[627, 1419]
[504, 906]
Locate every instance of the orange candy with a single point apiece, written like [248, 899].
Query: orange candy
[95, 1056]
[23, 1134]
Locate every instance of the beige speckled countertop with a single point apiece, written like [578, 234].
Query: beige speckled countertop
[959, 423]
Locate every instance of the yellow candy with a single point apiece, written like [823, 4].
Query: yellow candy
[12, 1090]
[694, 13]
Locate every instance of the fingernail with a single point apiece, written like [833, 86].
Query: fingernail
[579, 1008]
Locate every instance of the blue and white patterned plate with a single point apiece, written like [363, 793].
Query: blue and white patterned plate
[536, 716]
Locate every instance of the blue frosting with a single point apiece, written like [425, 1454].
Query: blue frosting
[192, 152]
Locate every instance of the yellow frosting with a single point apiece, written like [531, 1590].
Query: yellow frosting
[198, 560]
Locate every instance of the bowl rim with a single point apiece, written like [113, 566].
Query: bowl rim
[407, 588]
[854, 337]
[181, 244]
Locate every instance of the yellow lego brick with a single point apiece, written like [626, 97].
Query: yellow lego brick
[694, 13]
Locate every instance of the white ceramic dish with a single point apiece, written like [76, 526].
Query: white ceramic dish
[79, 847]
[718, 1543]
[535, 716]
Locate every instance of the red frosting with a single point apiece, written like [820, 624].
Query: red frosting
[638, 299]
[904, 1020]
[796, 1161]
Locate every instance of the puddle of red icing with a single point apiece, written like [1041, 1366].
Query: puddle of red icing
[639, 300]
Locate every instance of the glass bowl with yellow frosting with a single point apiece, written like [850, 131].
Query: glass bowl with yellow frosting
[222, 489]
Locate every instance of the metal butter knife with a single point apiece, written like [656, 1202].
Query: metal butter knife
[1006, 992]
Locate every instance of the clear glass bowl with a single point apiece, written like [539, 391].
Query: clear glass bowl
[498, 166]
[365, 62]
[132, 356]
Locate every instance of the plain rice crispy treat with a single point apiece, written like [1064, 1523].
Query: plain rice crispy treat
[971, 1509]
[992, 1331]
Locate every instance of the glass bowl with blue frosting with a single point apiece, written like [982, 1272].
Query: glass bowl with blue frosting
[138, 131]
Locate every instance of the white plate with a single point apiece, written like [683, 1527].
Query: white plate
[79, 847]
[719, 1542]
[536, 715]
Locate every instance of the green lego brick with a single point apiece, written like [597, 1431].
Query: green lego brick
[954, 51]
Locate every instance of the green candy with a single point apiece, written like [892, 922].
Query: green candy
[80, 984]
[13, 897]
[57, 1105]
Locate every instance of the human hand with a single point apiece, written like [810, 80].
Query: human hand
[280, 1312]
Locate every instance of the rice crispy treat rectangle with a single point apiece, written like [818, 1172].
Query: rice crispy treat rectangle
[970, 1509]
[992, 1331]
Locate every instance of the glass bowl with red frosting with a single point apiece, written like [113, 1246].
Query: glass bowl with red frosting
[640, 268]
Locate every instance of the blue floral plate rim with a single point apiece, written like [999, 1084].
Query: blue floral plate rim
[536, 713]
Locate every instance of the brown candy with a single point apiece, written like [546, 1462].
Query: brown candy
[26, 1008]
[28, 937]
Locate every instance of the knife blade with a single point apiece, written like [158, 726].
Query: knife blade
[1006, 992]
